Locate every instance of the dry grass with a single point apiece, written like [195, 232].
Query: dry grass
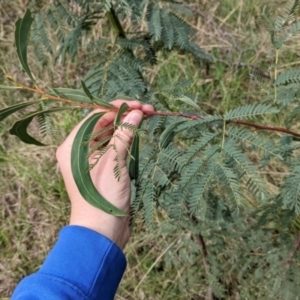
[34, 204]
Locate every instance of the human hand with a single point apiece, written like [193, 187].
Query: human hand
[117, 192]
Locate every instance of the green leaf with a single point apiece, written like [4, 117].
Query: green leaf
[21, 40]
[95, 99]
[167, 136]
[7, 87]
[86, 90]
[80, 167]
[71, 94]
[121, 111]
[188, 101]
[134, 160]
[11, 109]
[20, 127]
[103, 103]
[78, 96]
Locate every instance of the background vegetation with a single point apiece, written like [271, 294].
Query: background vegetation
[165, 263]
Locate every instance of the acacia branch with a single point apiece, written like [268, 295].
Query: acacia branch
[156, 113]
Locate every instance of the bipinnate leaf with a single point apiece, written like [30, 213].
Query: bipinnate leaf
[290, 194]
[251, 111]
[20, 127]
[121, 111]
[154, 21]
[80, 168]
[290, 76]
[21, 39]
[167, 136]
[134, 159]
[123, 97]
[78, 96]
[5, 112]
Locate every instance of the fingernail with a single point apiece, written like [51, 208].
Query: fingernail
[134, 117]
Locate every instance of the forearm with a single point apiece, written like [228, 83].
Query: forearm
[82, 265]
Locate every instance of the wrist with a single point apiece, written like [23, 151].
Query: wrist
[114, 228]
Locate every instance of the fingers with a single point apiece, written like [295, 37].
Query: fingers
[109, 117]
[63, 152]
[122, 137]
[133, 105]
[147, 107]
[105, 121]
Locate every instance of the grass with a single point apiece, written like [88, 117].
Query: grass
[34, 204]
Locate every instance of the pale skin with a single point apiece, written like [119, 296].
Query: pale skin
[117, 192]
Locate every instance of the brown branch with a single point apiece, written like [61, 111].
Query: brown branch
[269, 128]
[239, 122]
[200, 241]
[292, 254]
[171, 114]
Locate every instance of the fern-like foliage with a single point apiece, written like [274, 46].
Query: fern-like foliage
[290, 194]
[291, 76]
[45, 122]
[250, 111]
[281, 24]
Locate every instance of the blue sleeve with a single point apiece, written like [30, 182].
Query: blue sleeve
[83, 264]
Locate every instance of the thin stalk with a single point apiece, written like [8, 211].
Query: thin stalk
[224, 131]
[276, 74]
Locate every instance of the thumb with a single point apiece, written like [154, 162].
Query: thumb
[122, 138]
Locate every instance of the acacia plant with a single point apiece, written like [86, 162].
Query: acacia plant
[194, 166]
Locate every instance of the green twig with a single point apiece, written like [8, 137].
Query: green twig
[115, 23]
